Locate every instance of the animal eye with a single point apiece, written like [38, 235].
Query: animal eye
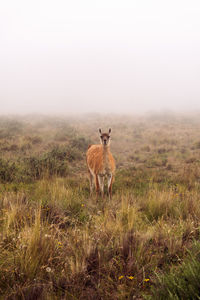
[101, 136]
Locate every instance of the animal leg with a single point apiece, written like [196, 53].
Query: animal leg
[91, 179]
[97, 185]
[101, 184]
[110, 181]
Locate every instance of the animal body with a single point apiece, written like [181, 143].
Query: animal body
[101, 164]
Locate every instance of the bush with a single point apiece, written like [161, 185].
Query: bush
[49, 163]
[54, 162]
[7, 171]
[10, 128]
[80, 143]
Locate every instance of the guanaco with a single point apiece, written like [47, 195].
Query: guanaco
[101, 164]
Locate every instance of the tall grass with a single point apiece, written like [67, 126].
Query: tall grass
[57, 242]
[182, 281]
[55, 238]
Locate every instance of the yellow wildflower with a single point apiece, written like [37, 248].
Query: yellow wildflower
[82, 205]
[120, 277]
[146, 279]
[130, 277]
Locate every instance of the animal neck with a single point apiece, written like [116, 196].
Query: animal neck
[106, 150]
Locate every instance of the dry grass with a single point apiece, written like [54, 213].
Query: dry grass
[59, 243]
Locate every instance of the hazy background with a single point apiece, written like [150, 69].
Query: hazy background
[99, 56]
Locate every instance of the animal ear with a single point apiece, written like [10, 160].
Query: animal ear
[109, 130]
[100, 130]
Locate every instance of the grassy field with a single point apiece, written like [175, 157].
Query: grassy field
[57, 242]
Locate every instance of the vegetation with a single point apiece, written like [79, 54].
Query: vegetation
[57, 242]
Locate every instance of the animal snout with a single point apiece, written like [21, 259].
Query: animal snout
[105, 141]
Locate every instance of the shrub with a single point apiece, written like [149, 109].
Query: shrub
[7, 170]
[80, 143]
[10, 128]
[50, 163]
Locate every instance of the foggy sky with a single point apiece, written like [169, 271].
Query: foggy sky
[99, 56]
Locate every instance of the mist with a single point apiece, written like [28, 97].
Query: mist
[99, 56]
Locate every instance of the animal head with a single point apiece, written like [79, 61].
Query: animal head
[105, 137]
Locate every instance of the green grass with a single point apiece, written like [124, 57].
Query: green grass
[182, 281]
[57, 242]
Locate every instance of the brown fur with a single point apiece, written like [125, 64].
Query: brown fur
[101, 162]
[95, 159]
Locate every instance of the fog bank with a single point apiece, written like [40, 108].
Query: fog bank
[99, 56]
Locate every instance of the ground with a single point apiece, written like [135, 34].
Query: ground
[57, 242]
